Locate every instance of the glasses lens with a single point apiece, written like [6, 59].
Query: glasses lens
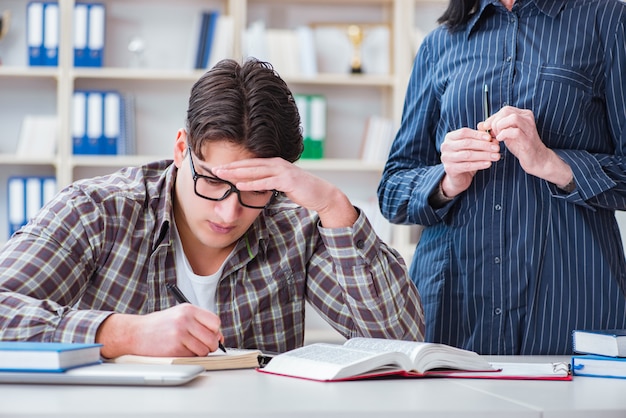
[217, 189]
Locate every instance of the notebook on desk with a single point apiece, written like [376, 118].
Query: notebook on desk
[111, 374]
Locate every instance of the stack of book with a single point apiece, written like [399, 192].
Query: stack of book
[602, 353]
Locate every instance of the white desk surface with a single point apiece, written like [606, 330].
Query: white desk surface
[247, 393]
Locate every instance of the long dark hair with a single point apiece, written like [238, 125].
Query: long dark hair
[457, 13]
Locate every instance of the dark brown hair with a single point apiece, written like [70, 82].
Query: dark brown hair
[247, 104]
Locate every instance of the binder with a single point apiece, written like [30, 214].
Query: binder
[51, 34]
[95, 38]
[112, 123]
[17, 203]
[79, 123]
[97, 122]
[95, 110]
[35, 33]
[34, 195]
[26, 196]
[81, 54]
[314, 143]
[302, 104]
[48, 189]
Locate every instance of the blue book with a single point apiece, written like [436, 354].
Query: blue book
[209, 36]
[599, 366]
[608, 342]
[199, 61]
[46, 357]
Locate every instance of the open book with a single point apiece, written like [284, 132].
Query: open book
[361, 358]
[372, 357]
[233, 358]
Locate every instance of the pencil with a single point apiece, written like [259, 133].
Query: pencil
[486, 111]
[180, 298]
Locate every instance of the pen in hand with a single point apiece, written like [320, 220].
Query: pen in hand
[486, 111]
[180, 298]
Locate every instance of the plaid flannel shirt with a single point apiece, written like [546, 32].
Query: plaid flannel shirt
[104, 245]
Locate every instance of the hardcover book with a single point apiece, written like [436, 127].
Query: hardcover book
[46, 357]
[599, 366]
[361, 358]
[610, 342]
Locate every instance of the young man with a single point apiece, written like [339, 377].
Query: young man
[231, 223]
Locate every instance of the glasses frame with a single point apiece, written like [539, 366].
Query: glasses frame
[230, 191]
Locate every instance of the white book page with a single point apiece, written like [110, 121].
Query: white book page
[425, 356]
[410, 348]
[330, 361]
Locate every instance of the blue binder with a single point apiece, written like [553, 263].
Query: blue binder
[34, 37]
[98, 122]
[26, 196]
[89, 34]
[96, 32]
[81, 53]
[50, 34]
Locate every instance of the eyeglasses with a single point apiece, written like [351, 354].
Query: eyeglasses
[215, 189]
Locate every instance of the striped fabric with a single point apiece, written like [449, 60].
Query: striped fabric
[104, 245]
[513, 264]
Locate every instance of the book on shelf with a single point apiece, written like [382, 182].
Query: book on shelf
[46, 357]
[26, 196]
[214, 40]
[312, 110]
[378, 136]
[611, 342]
[364, 358]
[290, 51]
[599, 366]
[38, 136]
[233, 358]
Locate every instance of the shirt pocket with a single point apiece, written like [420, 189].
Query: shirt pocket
[562, 98]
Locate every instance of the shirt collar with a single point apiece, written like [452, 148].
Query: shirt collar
[549, 7]
[161, 203]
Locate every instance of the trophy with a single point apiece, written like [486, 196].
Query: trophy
[136, 47]
[355, 34]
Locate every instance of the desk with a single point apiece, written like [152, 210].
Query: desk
[247, 393]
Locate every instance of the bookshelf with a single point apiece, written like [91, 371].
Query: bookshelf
[160, 82]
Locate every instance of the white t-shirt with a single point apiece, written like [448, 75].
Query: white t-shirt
[199, 290]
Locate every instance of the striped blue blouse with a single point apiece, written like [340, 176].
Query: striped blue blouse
[514, 264]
